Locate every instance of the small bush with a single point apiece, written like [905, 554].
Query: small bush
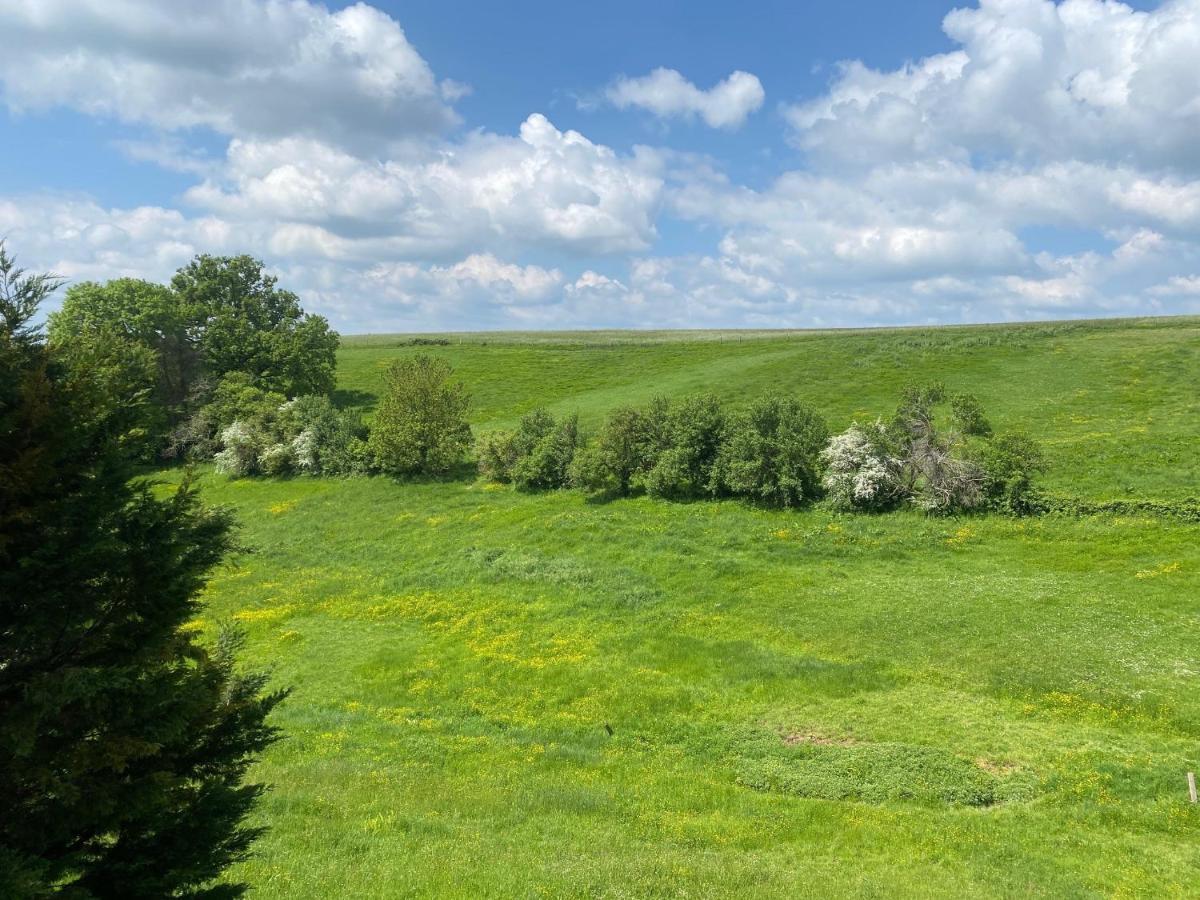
[420, 427]
[772, 452]
[499, 452]
[861, 472]
[235, 398]
[625, 449]
[322, 439]
[967, 416]
[496, 454]
[547, 465]
[687, 449]
[1010, 463]
[277, 459]
[241, 445]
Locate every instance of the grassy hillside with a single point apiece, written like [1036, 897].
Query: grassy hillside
[1116, 403]
[504, 695]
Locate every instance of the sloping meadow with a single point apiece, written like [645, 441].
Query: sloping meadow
[501, 694]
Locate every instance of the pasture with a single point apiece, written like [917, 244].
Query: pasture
[500, 694]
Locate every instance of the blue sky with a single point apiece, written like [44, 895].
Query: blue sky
[419, 166]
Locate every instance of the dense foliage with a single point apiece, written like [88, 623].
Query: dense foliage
[536, 455]
[940, 470]
[778, 452]
[624, 451]
[306, 436]
[861, 471]
[125, 740]
[420, 427]
[681, 462]
[219, 316]
[243, 322]
[772, 452]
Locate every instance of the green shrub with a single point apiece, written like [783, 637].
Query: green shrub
[499, 452]
[306, 436]
[772, 452]
[687, 449]
[322, 439]
[496, 454]
[967, 416]
[1010, 463]
[547, 465]
[238, 398]
[594, 469]
[420, 427]
[624, 450]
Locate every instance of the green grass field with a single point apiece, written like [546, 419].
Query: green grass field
[509, 695]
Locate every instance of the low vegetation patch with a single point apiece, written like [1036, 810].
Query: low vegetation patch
[871, 773]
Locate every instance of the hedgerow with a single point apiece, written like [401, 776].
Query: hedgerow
[937, 452]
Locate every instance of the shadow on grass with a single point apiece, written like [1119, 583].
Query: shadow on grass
[457, 474]
[602, 498]
[351, 398]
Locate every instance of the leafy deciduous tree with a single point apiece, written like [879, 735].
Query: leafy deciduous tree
[144, 314]
[241, 321]
[420, 427]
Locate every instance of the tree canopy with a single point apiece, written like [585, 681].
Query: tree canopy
[219, 315]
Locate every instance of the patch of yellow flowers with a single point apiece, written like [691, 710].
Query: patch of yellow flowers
[1164, 569]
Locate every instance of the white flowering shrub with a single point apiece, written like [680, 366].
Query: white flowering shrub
[277, 459]
[859, 472]
[322, 439]
[241, 445]
[306, 452]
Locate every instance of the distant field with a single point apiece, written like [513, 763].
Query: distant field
[509, 695]
[1115, 402]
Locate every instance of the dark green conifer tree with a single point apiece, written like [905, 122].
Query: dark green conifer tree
[124, 741]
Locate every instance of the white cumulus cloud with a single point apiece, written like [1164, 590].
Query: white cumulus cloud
[666, 93]
[272, 68]
[1085, 80]
[540, 188]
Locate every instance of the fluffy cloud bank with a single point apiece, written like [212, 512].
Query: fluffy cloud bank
[543, 187]
[1083, 80]
[945, 190]
[666, 93]
[271, 68]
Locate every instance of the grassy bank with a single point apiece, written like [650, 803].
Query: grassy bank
[500, 694]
